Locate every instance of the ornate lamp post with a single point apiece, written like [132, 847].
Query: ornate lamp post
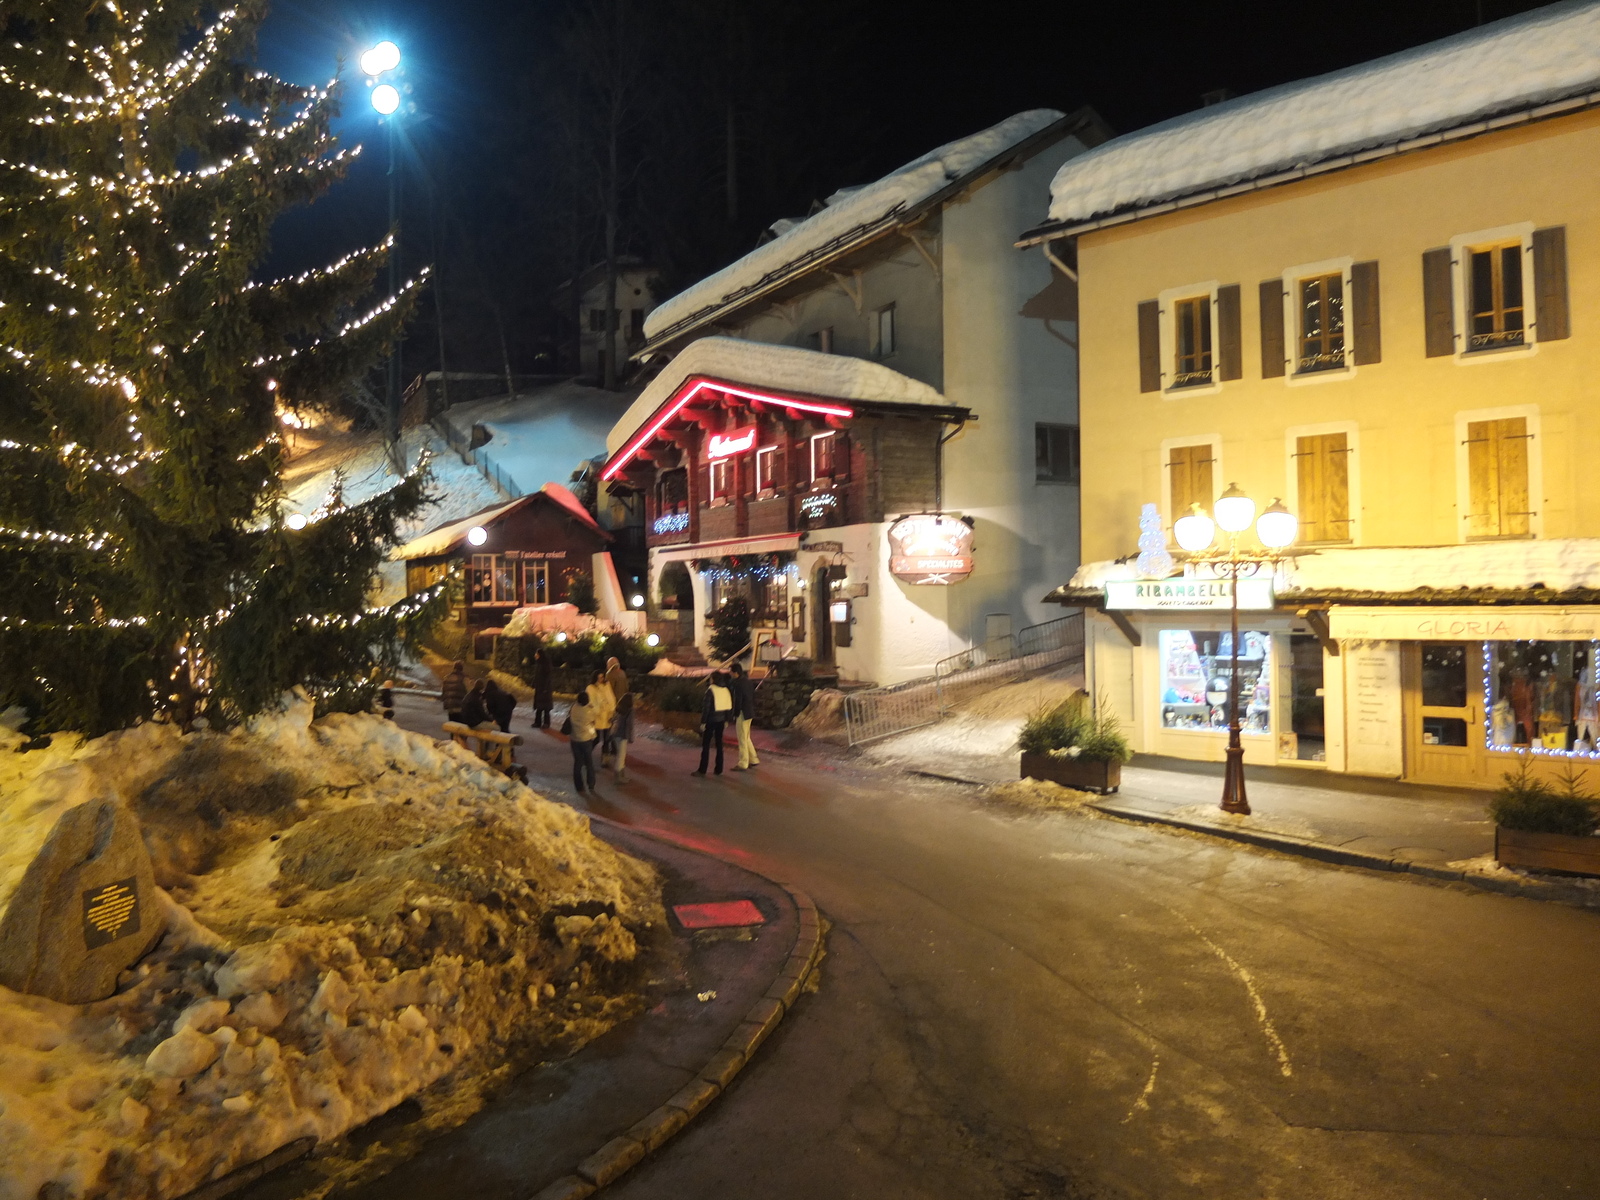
[1275, 529]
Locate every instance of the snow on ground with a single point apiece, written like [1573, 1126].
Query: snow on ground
[354, 913]
[849, 209]
[781, 368]
[1544, 55]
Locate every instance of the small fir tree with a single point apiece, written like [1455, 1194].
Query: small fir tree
[148, 570]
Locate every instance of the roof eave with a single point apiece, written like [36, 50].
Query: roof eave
[1050, 231]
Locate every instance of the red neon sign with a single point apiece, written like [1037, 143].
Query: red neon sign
[643, 438]
[735, 441]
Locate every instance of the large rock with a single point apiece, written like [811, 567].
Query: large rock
[85, 908]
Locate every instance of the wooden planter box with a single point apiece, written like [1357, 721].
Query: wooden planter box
[1547, 851]
[1102, 777]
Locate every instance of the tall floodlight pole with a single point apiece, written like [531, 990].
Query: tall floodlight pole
[384, 59]
[1275, 530]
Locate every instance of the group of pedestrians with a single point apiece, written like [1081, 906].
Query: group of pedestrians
[602, 712]
[483, 702]
[731, 696]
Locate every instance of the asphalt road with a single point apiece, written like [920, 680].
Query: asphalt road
[1019, 1004]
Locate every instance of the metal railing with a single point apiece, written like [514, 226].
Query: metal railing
[490, 470]
[882, 712]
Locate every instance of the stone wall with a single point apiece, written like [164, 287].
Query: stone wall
[786, 691]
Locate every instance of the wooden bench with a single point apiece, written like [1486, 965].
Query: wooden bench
[495, 748]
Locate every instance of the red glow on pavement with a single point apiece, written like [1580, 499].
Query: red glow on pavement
[718, 915]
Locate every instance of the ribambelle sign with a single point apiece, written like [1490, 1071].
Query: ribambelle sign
[1486, 624]
[1255, 595]
[930, 548]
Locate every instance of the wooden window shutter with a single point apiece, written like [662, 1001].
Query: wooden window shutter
[1271, 328]
[1438, 303]
[1497, 470]
[1322, 467]
[1365, 323]
[1230, 353]
[1191, 478]
[1550, 284]
[1149, 345]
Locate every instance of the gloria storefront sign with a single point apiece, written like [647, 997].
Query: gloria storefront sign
[930, 548]
[1486, 624]
[1255, 595]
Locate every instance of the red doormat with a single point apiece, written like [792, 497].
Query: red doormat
[717, 915]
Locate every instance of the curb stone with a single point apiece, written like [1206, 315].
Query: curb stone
[1337, 855]
[649, 1134]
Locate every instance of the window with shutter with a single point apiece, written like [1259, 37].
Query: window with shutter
[1438, 306]
[1320, 304]
[1322, 469]
[1553, 317]
[1230, 353]
[1497, 479]
[1272, 356]
[1496, 314]
[1191, 338]
[1189, 478]
[1149, 346]
[1364, 317]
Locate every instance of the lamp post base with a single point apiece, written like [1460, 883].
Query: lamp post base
[1233, 797]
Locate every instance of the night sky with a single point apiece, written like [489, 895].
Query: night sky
[904, 78]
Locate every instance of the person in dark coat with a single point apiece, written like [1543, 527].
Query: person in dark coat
[500, 705]
[474, 711]
[453, 692]
[715, 711]
[543, 688]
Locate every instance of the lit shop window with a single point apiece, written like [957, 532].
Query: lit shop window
[1541, 696]
[1195, 666]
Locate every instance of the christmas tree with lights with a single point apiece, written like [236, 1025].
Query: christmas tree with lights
[148, 571]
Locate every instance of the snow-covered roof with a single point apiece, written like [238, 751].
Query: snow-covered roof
[447, 537]
[1550, 54]
[850, 211]
[781, 368]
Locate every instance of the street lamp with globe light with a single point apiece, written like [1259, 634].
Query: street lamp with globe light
[1276, 530]
[477, 535]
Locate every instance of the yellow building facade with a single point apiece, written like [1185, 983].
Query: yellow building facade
[1393, 338]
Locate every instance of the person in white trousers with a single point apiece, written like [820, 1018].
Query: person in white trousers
[744, 712]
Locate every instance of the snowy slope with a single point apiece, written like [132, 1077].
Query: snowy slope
[1548, 54]
[851, 208]
[782, 368]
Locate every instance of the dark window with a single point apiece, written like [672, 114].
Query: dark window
[636, 324]
[824, 453]
[597, 320]
[1444, 676]
[1321, 324]
[1055, 453]
[885, 345]
[1496, 318]
[1192, 342]
[766, 463]
[822, 340]
[720, 479]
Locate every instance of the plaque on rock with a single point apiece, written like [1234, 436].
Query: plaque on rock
[84, 910]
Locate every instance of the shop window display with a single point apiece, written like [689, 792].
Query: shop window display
[1195, 666]
[1541, 696]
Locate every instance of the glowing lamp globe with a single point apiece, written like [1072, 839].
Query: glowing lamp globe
[1195, 531]
[477, 535]
[1277, 527]
[295, 520]
[561, 637]
[385, 99]
[1235, 510]
[385, 56]
[638, 600]
[653, 640]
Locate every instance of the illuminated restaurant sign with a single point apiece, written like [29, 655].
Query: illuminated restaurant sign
[930, 548]
[735, 441]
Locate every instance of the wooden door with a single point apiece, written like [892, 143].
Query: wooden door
[1443, 711]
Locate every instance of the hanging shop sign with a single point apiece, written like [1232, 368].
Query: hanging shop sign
[930, 548]
[734, 441]
[1487, 624]
[1255, 595]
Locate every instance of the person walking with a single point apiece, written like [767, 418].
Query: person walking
[714, 713]
[622, 734]
[500, 704]
[543, 687]
[604, 702]
[453, 692]
[474, 712]
[580, 731]
[744, 713]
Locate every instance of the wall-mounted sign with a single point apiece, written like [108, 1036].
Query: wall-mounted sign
[1486, 624]
[930, 548]
[1254, 594]
[735, 441]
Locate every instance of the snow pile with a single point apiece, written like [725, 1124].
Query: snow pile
[1040, 793]
[778, 368]
[850, 210]
[354, 913]
[1560, 564]
[1548, 54]
[542, 436]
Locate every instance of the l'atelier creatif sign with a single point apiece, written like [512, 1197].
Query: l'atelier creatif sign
[930, 548]
[1255, 595]
[1464, 624]
[735, 441]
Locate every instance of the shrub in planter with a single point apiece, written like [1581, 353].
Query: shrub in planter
[1530, 805]
[1075, 745]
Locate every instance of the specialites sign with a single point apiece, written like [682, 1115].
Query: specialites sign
[930, 548]
[1254, 594]
[734, 441]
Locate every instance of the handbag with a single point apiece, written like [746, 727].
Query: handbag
[566, 727]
